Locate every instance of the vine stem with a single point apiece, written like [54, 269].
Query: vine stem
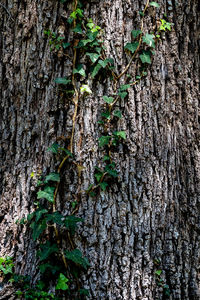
[138, 47]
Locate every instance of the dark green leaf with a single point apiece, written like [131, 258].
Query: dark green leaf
[47, 193]
[108, 100]
[131, 46]
[52, 268]
[98, 176]
[65, 45]
[111, 171]
[62, 80]
[62, 283]
[77, 257]
[149, 40]
[55, 217]
[39, 213]
[78, 29]
[46, 250]
[122, 94]
[117, 113]
[136, 33]
[103, 185]
[38, 228]
[93, 56]
[79, 70]
[52, 177]
[54, 148]
[96, 70]
[106, 114]
[106, 158]
[104, 140]
[83, 43]
[71, 223]
[145, 57]
[84, 292]
[66, 151]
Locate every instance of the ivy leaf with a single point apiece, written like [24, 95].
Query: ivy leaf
[145, 57]
[158, 272]
[149, 40]
[46, 250]
[65, 45]
[78, 29]
[84, 292]
[62, 80]
[85, 89]
[39, 213]
[118, 114]
[103, 185]
[108, 100]
[71, 223]
[104, 140]
[47, 193]
[77, 257]
[155, 4]
[55, 217]
[79, 70]
[52, 177]
[98, 176]
[52, 268]
[38, 228]
[124, 87]
[131, 46]
[54, 148]
[121, 134]
[136, 33]
[93, 56]
[111, 171]
[122, 94]
[66, 151]
[106, 115]
[96, 70]
[62, 283]
[83, 43]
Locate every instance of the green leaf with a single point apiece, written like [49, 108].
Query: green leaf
[118, 114]
[149, 40]
[78, 29]
[131, 46]
[71, 223]
[103, 185]
[52, 177]
[141, 13]
[52, 268]
[54, 148]
[155, 4]
[38, 228]
[83, 43]
[121, 134]
[122, 94]
[145, 57]
[136, 33]
[84, 292]
[106, 114]
[96, 70]
[85, 89]
[55, 217]
[77, 257]
[104, 140]
[124, 87]
[62, 283]
[111, 171]
[93, 56]
[66, 151]
[106, 158]
[39, 213]
[46, 250]
[98, 176]
[79, 70]
[65, 45]
[108, 100]
[47, 193]
[158, 272]
[62, 80]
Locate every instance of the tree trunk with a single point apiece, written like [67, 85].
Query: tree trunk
[148, 220]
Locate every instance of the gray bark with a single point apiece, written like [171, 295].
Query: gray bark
[152, 212]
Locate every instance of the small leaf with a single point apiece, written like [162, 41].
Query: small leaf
[136, 33]
[103, 185]
[84, 292]
[77, 257]
[47, 193]
[145, 57]
[52, 177]
[122, 94]
[131, 46]
[62, 283]
[106, 158]
[65, 45]
[85, 89]
[124, 87]
[54, 148]
[121, 134]
[55, 217]
[71, 223]
[39, 213]
[79, 70]
[46, 250]
[62, 80]
[155, 4]
[78, 29]
[111, 171]
[104, 140]
[149, 40]
[38, 228]
[108, 100]
[93, 56]
[158, 272]
[118, 114]
[96, 70]
[106, 115]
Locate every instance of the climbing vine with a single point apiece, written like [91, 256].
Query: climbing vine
[59, 260]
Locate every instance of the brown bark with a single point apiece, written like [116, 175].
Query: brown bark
[153, 211]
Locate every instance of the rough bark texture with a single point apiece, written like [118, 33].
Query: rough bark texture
[153, 210]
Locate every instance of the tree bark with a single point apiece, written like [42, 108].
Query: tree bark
[149, 219]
